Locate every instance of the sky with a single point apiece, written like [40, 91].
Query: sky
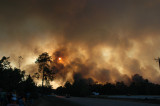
[105, 40]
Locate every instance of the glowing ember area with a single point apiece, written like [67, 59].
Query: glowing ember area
[59, 58]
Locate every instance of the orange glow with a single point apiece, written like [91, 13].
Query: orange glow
[59, 58]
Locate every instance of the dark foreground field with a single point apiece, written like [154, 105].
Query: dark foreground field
[53, 101]
[79, 101]
[139, 98]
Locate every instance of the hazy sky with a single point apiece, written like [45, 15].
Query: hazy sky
[106, 40]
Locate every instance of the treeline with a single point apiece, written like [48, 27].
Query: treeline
[15, 80]
[137, 86]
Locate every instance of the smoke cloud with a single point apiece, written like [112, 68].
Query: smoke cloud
[105, 40]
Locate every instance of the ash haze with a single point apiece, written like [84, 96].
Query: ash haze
[105, 40]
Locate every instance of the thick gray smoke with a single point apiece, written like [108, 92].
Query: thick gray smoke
[101, 39]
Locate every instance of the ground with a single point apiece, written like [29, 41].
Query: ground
[53, 101]
[79, 101]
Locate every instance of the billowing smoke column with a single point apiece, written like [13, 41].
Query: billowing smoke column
[70, 65]
[105, 40]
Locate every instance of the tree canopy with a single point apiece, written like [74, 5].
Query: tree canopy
[44, 70]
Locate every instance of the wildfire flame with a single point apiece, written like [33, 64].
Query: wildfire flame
[60, 59]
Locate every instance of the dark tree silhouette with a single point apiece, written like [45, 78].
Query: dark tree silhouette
[138, 86]
[158, 60]
[4, 63]
[68, 87]
[9, 78]
[16, 80]
[44, 70]
[27, 86]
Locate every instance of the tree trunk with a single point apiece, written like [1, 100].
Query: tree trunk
[43, 78]
[43, 82]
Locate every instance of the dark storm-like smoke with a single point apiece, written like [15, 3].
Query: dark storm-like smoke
[101, 39]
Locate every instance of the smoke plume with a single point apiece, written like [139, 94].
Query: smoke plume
[105, 40]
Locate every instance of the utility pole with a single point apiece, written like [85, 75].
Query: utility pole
[19, 61]
[158, 60]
